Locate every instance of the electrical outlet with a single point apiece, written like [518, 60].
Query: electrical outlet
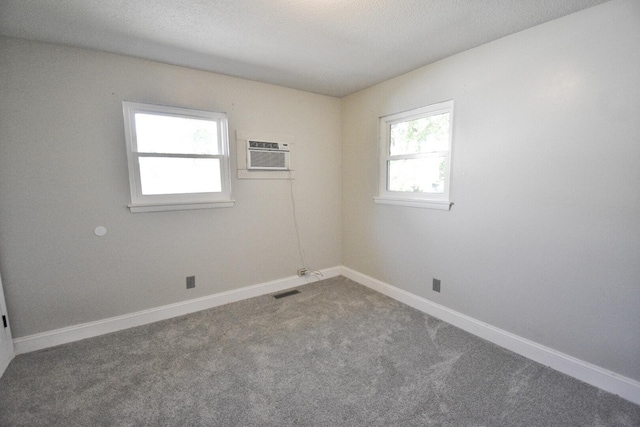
[191, 282]
[436, 285]
[303, 272]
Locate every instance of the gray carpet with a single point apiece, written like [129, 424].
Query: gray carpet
[337, 354]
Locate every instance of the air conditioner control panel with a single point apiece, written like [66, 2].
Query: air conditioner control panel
[263, 145]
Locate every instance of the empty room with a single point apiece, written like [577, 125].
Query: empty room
[320, 212]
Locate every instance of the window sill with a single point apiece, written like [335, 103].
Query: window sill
[442, 205]
[161, 207]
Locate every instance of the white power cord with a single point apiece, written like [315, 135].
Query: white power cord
[304, 271]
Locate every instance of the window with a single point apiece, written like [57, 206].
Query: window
[178, 158]
[415, 157]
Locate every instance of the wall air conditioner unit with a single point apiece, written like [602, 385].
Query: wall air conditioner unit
[262, 155]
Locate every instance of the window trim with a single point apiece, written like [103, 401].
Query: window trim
[411, 199]
[169, 202]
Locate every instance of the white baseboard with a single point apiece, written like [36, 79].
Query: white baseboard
[591, 374]
[113, 324]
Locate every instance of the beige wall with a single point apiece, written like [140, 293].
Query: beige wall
[63, 171]
[544, 238]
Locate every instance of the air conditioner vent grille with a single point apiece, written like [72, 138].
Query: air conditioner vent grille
[267, 159]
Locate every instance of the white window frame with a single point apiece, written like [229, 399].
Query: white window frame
[413, 199]
[168, 202]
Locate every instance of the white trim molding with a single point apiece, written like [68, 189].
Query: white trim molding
[591, 374]
[604, 379]
[427, 204]
[114, 324]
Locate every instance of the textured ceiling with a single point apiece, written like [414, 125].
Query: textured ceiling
[333, 47]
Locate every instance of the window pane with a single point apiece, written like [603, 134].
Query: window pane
[173, 135]
[420, 135]
[162, 175]
[425, 175]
